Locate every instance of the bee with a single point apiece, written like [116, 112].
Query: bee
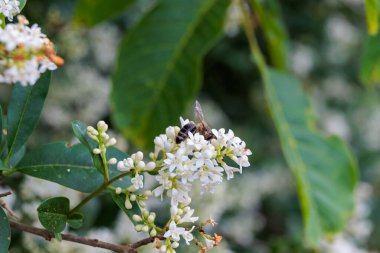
[199, 127]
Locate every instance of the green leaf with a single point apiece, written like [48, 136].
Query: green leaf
[75, 220]
[69, 166]
[24, 112]
[324, 169]
[52, 213]
[92, 12]
[119, 199]
[269, 15]
[1, 124]
[22, 4]
[80, 131]
[372, 14]
[159, 65]
[370, 61]
[5, 232]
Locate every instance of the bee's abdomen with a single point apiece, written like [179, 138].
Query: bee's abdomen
[183, 133]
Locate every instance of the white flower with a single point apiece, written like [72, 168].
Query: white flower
[196, 141]
[9, 8]
[188, 217]
[188, 236]
[137, 181]
[229, 171]
[174, 232]
[184, 121]
[176, 160]
[125, 165]
[163, 143]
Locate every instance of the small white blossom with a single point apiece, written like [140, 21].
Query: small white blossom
[188, 236]
[138, 182]
[174, 232]
[125, 165]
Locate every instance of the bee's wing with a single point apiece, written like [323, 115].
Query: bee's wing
[199, 118]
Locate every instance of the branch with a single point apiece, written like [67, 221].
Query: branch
[5, 194]
[130, 248]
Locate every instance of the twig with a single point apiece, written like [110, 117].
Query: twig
[130, 248]
[4, 205]
[5, 194]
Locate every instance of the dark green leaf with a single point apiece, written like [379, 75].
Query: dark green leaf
[119, 199]
[324, 169]
[24, 112]
[80, 131]
[372, 14]
[75, 220]
[92, 12]
[5, 232]
[69, 166]
[52, 213]
[157, 76]
[370, 62]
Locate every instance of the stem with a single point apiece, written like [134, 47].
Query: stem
[129, 248]
[97, 192]
[253, 45]
[87, 199]
[105, 163]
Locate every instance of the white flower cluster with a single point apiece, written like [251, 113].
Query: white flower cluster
[193, 159]
[9, 8]
[177, 167]
[26, 53]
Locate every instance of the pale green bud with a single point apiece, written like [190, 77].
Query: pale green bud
[153, 232]
[136, 218]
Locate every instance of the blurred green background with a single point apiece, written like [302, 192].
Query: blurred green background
[259, 210]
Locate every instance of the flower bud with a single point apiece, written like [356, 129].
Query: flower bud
[140, 165]
[131, 188]
[127, 203]
[139, 156]
[104, 136]
[102, 126]
[122, 167]
[111, 142]
[145, 228]
[148, 193]
[92, 131]
[136, 218]
[177, 218]
[142, 203]
[139, 227]
[175, 245]
[180, 212]
[96, 151]
[151, 218]
[112, 161]
[150, 166]
[163, 249]
[118, 190]
[145, 213]
[153, 232]
[132, 197]
[173, 211]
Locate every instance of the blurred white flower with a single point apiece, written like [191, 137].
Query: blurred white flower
[9, 8]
